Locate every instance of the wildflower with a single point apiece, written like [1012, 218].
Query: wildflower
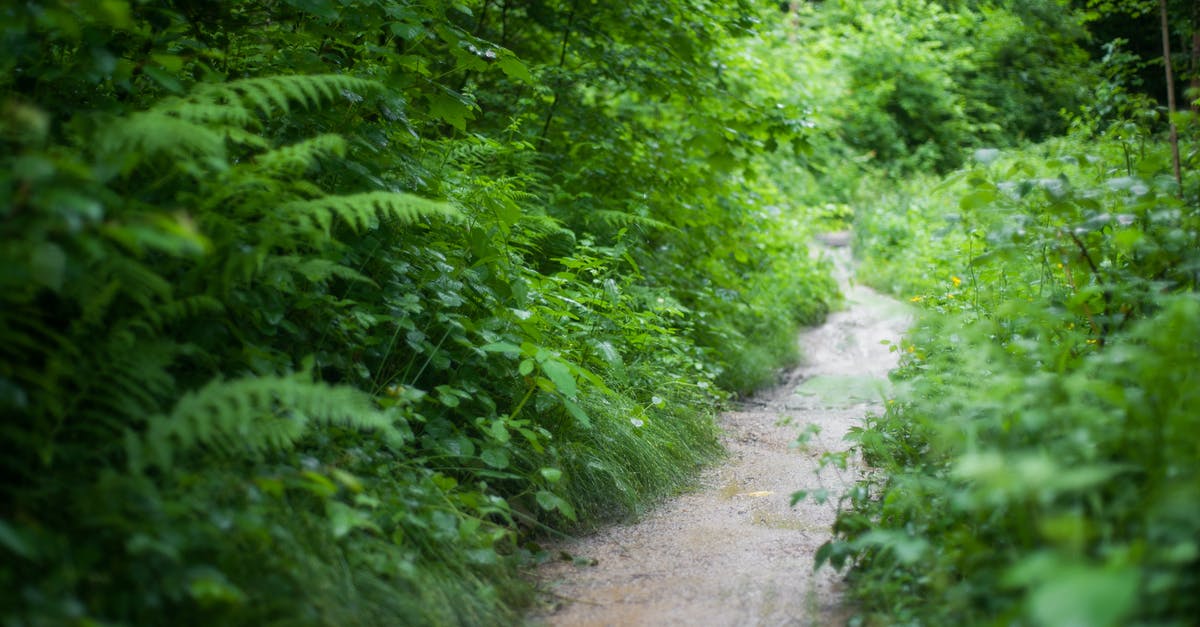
[957, 281]
[916, 299]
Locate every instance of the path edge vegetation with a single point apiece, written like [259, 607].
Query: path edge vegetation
[321, 311]
[1037, 464]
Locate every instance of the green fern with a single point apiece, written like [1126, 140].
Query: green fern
[252, 416]
[363, 211]
[271, 95]
[158, 137]
[155, 319]
[192, 132]
[296, 159]
[621, 219]
[314, 270]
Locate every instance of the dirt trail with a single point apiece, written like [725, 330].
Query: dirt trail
[734, 552]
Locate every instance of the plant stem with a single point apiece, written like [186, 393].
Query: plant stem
[1166, 42]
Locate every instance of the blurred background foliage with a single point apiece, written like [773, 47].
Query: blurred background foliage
[325, 311]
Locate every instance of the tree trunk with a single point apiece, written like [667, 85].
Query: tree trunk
[1166, 42]
[1194, 94]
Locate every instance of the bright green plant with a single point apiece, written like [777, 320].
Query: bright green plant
[1027, 472]
[316, 312]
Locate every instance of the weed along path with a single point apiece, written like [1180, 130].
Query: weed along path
[735, 552]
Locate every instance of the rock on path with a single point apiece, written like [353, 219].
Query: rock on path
[734, 552]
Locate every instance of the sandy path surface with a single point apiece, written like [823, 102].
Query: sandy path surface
[735, 552]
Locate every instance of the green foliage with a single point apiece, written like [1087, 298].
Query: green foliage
[907, 85]
[318, 312]
[1034, 466]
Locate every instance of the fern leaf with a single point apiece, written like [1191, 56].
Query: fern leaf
[315, 270]
[137, 280]
[156, 318]
[296, 159]
[622, 219]
[131, 380]
[205, 110]
[251, 416]
[271, 93]
[362, 211]
[156, 134]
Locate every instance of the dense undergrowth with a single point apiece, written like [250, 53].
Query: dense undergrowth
[1038, 465]
[322, 312]
[317, 311]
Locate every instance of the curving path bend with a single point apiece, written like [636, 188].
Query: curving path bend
[734, 552]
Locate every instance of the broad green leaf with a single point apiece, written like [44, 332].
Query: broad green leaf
[209, 587]
[550, 501]
[495, 457]
[560, 374]
[514, 69]
[499, 431]
[451, 110]
[577, 412]
[1084, 597]
[444, 483]
[343, 519]
[976, 199]
[501, 347]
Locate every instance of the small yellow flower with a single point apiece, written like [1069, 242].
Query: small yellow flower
[916, 299]
[957, 281]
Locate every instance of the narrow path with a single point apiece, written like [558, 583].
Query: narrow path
[735, 552]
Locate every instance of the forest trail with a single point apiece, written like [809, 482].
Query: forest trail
[734, 552]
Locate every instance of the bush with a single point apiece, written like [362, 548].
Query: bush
[1028, 470]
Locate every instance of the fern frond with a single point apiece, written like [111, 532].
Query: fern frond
[24, 333]
[156, 318]
[315, 270]
[140, 283]
[203, 110]
[541, 224]
[621, 219]
[296, 159]
[130, 381]
[271, 93]
[252, 416]
[362, 211]
[158, 134]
